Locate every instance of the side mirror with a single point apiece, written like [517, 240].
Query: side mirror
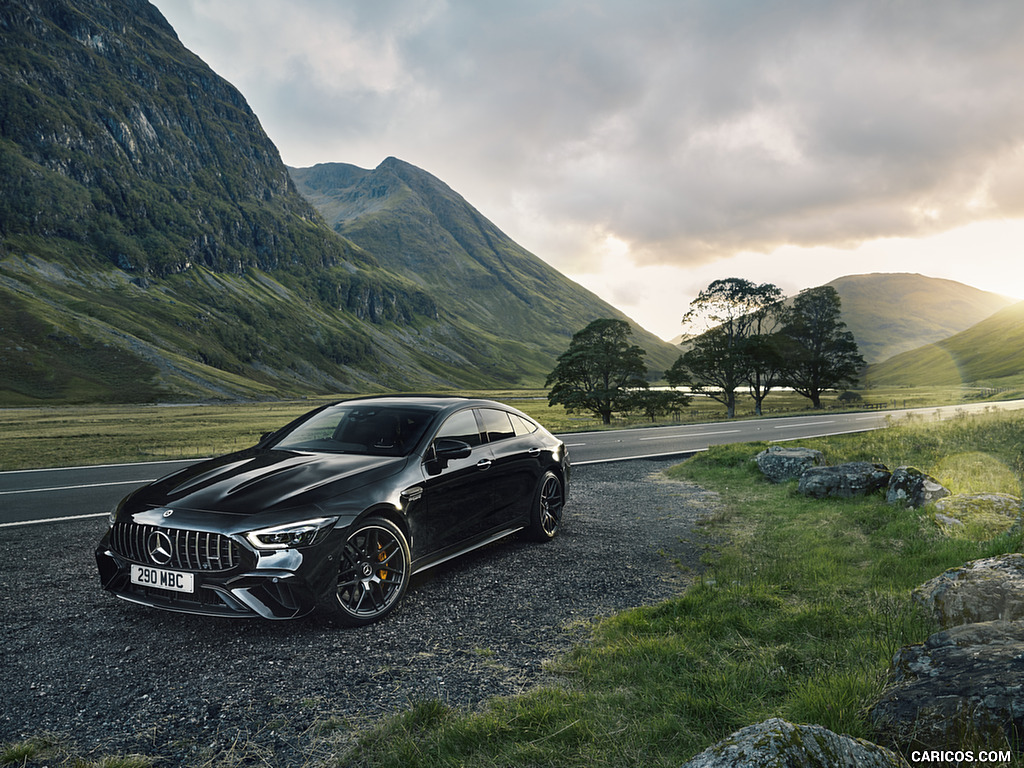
[448, 449]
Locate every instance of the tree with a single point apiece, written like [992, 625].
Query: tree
[661, 402]
[764, 347]
[821, 353]
[712, 368]
[726, 357]
[599, 371]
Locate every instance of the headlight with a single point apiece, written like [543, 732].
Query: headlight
[301, 534]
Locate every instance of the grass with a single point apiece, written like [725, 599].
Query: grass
[56, 752]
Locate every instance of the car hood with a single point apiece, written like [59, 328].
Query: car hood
[260, 480]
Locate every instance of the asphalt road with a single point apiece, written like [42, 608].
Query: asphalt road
[44, 495]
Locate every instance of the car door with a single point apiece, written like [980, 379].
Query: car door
[516, 468]
[456, 494]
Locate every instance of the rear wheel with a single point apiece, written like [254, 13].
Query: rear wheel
[373, 573]
[548, 502]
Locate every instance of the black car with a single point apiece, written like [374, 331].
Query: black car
[336, 510]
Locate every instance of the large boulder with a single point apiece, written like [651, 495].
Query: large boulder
[981, 515]
[963, 687]
[857, 478]
[910, 487]
[983, 590]
[776, 743]
[781, 464]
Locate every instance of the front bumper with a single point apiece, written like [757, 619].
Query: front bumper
[282, 584]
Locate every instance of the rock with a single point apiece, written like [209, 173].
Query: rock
[776, 743]
[961, 687]
[983, 590]
[911, 487]
[782, 464]
[983, 515]
[857, 478]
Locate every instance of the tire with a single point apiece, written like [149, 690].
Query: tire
[548, 503]
[373, 574]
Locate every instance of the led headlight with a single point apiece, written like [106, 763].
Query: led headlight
[302, 534]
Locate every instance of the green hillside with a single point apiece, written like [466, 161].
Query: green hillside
[985, 353]
[154, 247]
[893, 313]
[416, 226]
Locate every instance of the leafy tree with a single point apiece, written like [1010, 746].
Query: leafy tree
[821, 353]
[712, 368]
[600, 371]
[764, 349]
[659, 402]
[726, 357]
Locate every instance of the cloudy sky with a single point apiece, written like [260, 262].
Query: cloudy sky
[647, 147]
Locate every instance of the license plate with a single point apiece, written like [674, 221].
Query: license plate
[176, 581]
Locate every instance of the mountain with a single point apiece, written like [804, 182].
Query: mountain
[153, 246]
[893, 313]
[991, 350]
[416, 226]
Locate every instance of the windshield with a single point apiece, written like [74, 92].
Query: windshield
[372, 430]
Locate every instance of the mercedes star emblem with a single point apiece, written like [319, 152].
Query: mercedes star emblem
[159, 544]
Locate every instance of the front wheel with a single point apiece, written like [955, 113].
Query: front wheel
[546, 513]
[373, 573]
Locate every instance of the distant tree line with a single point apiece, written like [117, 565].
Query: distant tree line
[754, 340]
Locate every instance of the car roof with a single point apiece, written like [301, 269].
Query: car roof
[434, 402]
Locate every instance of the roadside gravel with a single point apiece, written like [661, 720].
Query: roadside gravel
[114, 678]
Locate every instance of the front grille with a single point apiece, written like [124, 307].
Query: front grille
[189, 550]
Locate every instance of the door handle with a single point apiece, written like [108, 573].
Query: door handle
[534, 451]
[484, 464]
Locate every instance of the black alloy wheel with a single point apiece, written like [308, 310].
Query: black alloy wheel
[373, 573]
[548, 501]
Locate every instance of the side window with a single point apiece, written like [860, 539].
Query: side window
[522, 426]
[496, 425]
[461, 426]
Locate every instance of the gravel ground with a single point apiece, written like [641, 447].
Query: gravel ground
[113, 678]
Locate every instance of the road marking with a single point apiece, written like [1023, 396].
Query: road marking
[645, 456]
[804, 424]
[100, 466]
[823, 434]
[53, 520]
[76, 487]
[692, 434]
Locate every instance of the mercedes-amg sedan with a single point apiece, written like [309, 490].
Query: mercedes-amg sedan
[336, 510]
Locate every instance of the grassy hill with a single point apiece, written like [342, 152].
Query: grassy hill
[983, 354]
[153, 246]
[416, 226]
[893, 313]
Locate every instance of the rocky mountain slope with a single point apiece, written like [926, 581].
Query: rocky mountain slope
[154, 247]
[893, 313]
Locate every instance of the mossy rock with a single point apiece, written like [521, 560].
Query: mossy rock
[978, 516]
